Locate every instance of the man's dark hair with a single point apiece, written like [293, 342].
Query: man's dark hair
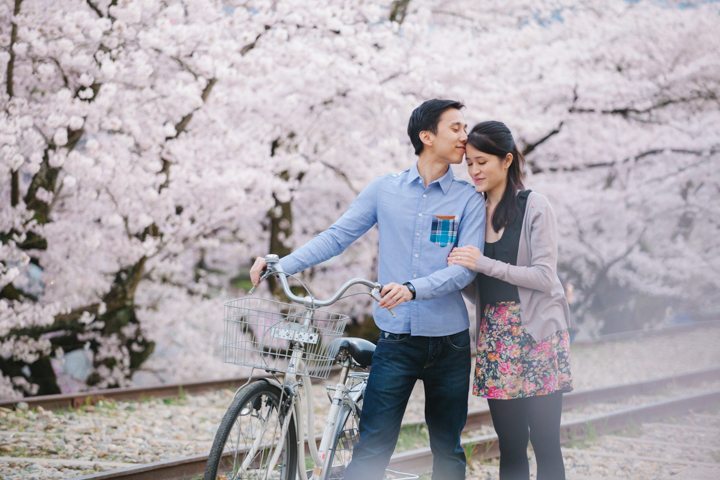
[426, 117]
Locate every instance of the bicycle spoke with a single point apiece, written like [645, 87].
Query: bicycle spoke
[253, 439]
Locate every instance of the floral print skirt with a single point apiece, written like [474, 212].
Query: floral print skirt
[511, 364]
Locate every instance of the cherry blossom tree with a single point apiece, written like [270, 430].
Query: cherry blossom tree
[148, 150]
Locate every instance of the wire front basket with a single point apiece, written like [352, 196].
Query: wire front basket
[259, 333]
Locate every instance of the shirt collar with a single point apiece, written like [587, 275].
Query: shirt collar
[445, 181]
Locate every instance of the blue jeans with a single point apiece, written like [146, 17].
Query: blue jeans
[443, 364]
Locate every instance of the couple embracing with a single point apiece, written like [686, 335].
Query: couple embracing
[440, 238]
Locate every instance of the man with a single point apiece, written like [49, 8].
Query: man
[421, 213]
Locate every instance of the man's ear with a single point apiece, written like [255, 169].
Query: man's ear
[426, 137]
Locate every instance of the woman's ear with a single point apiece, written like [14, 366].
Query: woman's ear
[507, 161]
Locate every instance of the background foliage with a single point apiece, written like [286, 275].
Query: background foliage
[148, 150]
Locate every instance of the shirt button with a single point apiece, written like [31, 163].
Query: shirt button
[417, 234]
[419, 214]
[424, 195]
[414, 275]
[416, 255]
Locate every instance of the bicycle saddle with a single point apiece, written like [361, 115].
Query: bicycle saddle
[360, 349]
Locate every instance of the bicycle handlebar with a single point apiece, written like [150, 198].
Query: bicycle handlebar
[274, 267]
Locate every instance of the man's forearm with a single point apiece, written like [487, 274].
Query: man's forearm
[321, 248]
[450, 279]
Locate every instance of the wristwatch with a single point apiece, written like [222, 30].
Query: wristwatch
[411, 288]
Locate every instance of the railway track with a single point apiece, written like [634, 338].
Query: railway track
[74, 400]
[678, 446]
[135, 430]
[635, 334]
[484, 445]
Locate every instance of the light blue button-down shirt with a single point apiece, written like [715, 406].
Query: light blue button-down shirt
[406, 212]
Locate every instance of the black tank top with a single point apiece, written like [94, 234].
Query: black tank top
[493, 290]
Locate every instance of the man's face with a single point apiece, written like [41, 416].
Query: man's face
[449, 142]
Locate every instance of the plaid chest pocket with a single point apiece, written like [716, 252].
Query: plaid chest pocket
[444, 230]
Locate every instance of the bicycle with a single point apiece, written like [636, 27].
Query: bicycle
[269, 418]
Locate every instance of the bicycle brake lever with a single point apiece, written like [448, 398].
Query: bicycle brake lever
[265, 274]
[375, 293]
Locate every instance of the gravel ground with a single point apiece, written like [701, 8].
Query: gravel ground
[112, 434]
[585, 411]
[644, 452]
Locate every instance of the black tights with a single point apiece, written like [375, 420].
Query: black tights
[537, 418]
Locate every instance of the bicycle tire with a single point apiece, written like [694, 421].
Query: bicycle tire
[345, 432]
[252, 402]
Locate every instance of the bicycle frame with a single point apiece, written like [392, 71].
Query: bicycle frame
[321, 459]
[304, 421]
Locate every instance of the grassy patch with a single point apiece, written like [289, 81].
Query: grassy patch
[174, 401]
[469, 452]
[412, 436]
[107, 405]
[632, 431]
[589, 436]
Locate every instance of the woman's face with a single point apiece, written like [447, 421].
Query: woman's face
[487, 171]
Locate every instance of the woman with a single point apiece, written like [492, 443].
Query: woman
[522, 364]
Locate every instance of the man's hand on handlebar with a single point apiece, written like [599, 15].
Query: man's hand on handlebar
[393, 294]
[257, 270]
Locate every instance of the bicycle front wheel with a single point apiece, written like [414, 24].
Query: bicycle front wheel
[249, 437]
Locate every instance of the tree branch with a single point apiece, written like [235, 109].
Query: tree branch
[398, 10]
[9, 86]
[94, 8]
[634, 159]
[244, 50]
[342, 175]
[529, 147]
[97, 11]
[631, 112]
[10, 89]
[180, 127]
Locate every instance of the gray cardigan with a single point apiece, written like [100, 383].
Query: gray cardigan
[543, 306]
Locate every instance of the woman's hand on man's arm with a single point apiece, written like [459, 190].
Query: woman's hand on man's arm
[469, 257]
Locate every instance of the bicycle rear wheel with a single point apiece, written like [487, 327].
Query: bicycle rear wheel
[249, 435]
[346, 437]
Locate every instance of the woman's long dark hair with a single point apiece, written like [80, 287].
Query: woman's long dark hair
[494, 138]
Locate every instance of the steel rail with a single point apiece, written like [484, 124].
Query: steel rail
[629, 335]
[481, 416]
[74, 400]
